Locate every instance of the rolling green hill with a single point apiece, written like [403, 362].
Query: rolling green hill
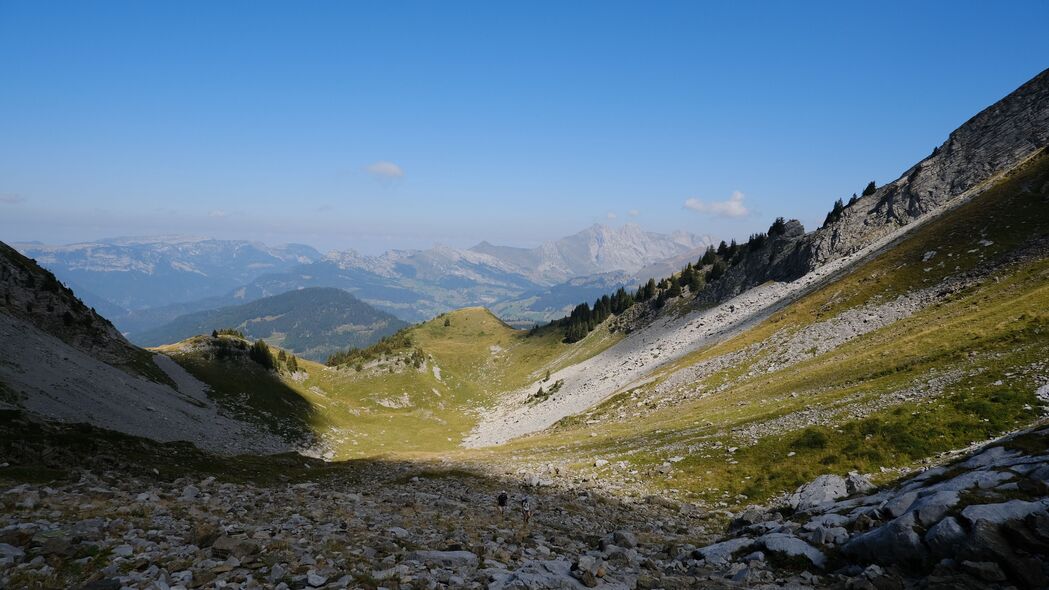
[312, 323]
[421, 397]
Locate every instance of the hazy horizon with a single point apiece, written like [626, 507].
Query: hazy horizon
[397, 127]
[462, 244]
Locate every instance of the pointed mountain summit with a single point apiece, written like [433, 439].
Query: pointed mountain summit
[595, 250]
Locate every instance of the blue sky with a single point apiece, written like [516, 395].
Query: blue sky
[386, 124]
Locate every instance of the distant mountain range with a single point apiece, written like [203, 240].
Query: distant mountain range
[123, 274]
[312, 322]
[144, 283]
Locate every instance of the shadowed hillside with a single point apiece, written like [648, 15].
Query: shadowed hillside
[312, 323]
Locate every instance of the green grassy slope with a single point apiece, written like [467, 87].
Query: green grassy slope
[960, 370]
[391, 405]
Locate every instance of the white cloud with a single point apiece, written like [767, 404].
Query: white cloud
[383, 169]
[218, 214]
[733, 207]
[610, 215]
[11, 199]
[633, 213]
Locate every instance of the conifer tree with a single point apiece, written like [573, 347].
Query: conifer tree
[716, 271]
[260, 353]
[835, 213]
[695, 283]
[708, 256]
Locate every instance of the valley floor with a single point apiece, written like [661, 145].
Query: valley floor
[118, 512]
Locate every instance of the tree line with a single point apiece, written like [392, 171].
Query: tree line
[710, 268]
[839, 206]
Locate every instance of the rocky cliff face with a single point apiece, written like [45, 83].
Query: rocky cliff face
[782, 258]
[992, 143]
[33, 294]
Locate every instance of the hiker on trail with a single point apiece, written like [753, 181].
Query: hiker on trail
[526, 509]
[503, 502]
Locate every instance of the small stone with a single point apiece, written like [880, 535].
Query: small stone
[277, 573]
[624, 539]
[12, 552]
[398, 532]
[315, 579]
[226, 546]
[987, 571]
[445, 558]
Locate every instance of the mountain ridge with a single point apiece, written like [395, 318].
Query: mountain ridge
[774, 270]
[186, 274]
[312, 322]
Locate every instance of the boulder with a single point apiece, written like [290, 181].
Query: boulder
[945, 537]
[933, 507]
[589, 570]
[989, 458]
[821, 535]
[748, 518]
[895, 507]
[1002, 512]
[987, 543]
[826, 520]
[722, 552]
[857, 484]
[792, 546]
[445, 558]
[1024, 534]
[983, 480]
[819, 492]
[537, 575]
[892, 543]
